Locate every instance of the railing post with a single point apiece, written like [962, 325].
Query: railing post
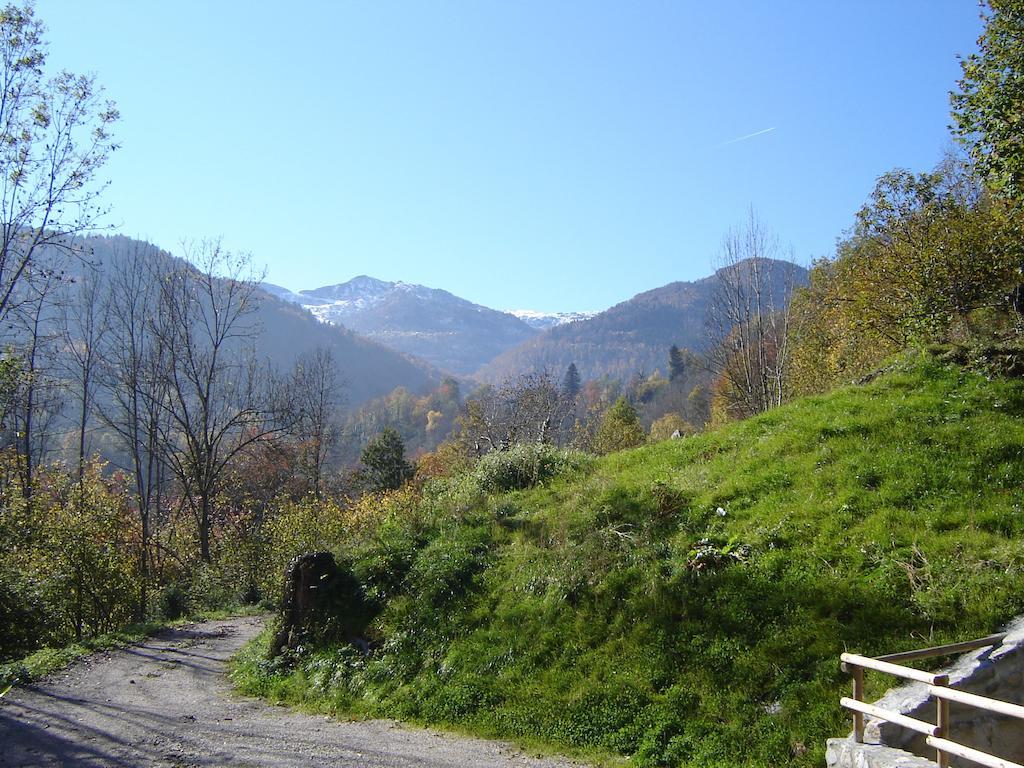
[858, 695]
[942, 721]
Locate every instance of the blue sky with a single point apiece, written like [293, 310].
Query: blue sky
[522, 154]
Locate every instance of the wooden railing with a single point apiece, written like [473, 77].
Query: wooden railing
[936, 735]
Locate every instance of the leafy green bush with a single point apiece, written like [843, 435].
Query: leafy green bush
[26, 619]
[526, 465]
[211, 589]
[68, 567]
[172, 602]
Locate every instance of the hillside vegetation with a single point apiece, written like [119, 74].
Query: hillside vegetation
[685, 603]
[634, 335]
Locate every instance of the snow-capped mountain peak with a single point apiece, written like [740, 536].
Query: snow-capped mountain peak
[450, 332]
[361, 288]
[544, 320]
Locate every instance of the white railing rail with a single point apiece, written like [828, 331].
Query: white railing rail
[936, 735]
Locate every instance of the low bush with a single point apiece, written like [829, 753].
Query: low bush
[524, 466]
[172, 602]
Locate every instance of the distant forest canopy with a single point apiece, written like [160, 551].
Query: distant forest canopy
[624, 350]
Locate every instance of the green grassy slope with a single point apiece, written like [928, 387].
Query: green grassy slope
[686, 603]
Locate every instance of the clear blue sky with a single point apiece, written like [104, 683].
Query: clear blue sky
[538, 154]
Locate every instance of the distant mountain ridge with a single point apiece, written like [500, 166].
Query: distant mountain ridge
[468, 339]
[632, 337]
[449, 332]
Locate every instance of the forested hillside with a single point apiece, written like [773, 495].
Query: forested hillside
[634, 336]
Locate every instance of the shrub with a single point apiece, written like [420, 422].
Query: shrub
[668, 425]
[524, 466]
[173, 602]
[620, 429]
[211, 589]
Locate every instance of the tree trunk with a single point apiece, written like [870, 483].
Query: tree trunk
[78, 604]
[204, 527]
[144, 565]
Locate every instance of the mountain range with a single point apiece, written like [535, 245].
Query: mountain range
[449, 332]
[488, 345]
[385, 335]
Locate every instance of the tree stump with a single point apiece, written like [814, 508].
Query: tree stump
[322, 602]
[308, 583]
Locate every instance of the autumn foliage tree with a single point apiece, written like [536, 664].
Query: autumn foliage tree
[988, 107]
[928, 253]
[620, 429]
[669, 425]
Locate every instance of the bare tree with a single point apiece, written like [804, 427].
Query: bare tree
[54, 138]
[749, 320]
[219, 400]
[38, 400]
[315, 397]
[133, 375]
[530, 409]
[84, 313]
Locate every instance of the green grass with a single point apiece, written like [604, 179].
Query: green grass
[686, 603]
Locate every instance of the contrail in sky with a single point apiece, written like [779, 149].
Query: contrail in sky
[744, 138]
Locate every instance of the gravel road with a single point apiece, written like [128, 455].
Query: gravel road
[166, 702]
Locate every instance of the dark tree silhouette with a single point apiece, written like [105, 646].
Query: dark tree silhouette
[383, 459]
[571, 382]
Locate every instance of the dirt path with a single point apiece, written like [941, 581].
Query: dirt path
[166, 703]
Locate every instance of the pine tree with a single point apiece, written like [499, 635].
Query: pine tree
[676, 363]
[571, 382]
[384, 460]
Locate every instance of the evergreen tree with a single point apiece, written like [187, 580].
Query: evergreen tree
[384, 461]
[676, 363]
[571, 382]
